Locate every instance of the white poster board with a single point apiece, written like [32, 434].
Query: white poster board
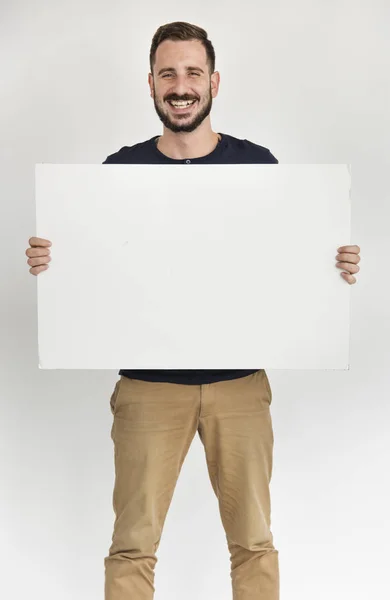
[193, 266]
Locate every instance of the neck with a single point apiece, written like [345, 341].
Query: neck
[182, 145]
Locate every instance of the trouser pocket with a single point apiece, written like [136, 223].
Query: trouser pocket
[268, 386]
[114, 396]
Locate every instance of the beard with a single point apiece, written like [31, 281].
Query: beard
[187, 124]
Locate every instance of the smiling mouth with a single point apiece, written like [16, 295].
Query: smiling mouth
[181, 108]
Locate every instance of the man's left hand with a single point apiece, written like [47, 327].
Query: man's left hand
[348, 257]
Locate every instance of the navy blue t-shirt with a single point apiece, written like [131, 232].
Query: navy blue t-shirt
[229, 150]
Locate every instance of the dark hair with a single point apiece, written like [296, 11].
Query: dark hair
[180, 30]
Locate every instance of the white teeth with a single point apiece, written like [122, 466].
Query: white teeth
[182, 104]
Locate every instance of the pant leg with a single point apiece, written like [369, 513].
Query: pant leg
[236, 430]
[154, 424]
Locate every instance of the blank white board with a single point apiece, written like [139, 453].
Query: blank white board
[193, 266]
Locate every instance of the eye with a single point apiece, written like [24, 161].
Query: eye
[169, 74]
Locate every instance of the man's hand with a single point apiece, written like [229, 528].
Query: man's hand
[348, 258]
[39, 253]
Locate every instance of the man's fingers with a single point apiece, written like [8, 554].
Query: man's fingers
[353, 258]
[348, 267]
[355, 249]
[36, 241]
[37, 252]
[40, 260]
[348, 277]
[37, 270]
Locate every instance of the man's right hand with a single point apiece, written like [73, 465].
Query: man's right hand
[39, 253]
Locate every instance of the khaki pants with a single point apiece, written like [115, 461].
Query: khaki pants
[153, 427]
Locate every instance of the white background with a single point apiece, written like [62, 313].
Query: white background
[310, 81]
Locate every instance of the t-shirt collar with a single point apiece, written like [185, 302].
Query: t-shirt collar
[208, 158]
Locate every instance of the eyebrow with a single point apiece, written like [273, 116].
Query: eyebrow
[171, 69]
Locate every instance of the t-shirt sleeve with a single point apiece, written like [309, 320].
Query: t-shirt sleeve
[114, 158]
[272, 158]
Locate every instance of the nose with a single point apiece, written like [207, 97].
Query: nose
[180, 87]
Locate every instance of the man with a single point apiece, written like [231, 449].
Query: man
[157, 412]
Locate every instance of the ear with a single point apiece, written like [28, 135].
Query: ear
[214, 82]
[151, 84]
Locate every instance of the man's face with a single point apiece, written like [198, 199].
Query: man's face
[181, 72]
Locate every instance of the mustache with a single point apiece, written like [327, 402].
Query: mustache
[176, 99]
